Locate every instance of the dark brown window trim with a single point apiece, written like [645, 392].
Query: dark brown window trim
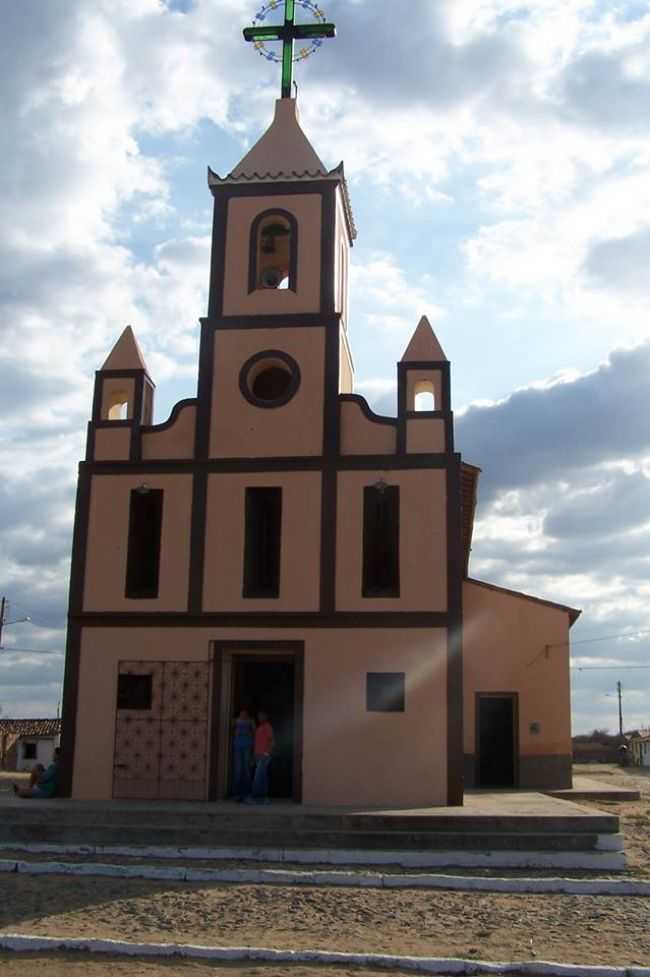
[381, 555]
[269, 354]
[144, 506]
[263, 543]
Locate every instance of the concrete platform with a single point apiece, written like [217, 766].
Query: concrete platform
[508, 826]
[593, 789]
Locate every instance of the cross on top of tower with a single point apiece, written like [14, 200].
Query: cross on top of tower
[288, 33]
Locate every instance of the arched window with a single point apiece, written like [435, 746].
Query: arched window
[273, 251]
[118, 407]
[424, 399]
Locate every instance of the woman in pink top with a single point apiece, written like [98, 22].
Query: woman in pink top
[263, 753]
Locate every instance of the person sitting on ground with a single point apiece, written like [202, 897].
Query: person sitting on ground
[42, 783]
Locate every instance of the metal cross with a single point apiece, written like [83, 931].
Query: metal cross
[288, 33]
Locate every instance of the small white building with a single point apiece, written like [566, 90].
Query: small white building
[24, 742]
[640, 750]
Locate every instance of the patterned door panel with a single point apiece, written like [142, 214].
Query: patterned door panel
[161, 743]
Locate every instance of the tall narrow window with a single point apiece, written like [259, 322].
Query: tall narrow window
[262, 544]
[381, 541]
[143, 559]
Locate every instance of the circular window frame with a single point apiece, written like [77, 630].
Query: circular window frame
[248, 374]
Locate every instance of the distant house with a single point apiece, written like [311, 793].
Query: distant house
[640, 749]
[24, 742]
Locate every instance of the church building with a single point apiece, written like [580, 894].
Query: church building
[276, 545]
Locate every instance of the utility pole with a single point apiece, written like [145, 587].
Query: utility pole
[619, 689]
[3, 604]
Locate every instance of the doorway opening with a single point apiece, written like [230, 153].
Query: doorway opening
[497, 742]
[268, 686]
[259, 677]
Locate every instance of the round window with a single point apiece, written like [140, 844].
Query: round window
[269, 379]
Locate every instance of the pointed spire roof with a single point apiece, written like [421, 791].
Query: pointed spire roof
[424, 345]
[126, 354]
[284, 148]
[285, 154]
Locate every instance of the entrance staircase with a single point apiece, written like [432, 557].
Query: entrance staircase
[572, 838]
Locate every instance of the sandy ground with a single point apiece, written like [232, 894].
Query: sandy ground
[634, 815]
[83, 966]
[574, 929]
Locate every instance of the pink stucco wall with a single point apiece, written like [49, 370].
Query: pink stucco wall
[350, 756]
[512, 644]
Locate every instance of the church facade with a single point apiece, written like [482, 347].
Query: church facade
[275, 545]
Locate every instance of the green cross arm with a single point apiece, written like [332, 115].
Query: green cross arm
[299, 32]
[288, 33]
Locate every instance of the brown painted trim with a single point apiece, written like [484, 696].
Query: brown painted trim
[454, 637]
[331, 422]
[293, 247]
[90, 442]
[573, 612]
[287, 188]
[306, 463]
[97, 397]
[218, 255]
[197, 542]
[366, 410]
[266, 354]
[514, 696]
[242, 649]
[111, 425]
[279, 320]
[124, 374]
[69, 709]
[264, 619]
[204, 392]
[328, 250]
[135, 453]
[173, 417]
[73, 640]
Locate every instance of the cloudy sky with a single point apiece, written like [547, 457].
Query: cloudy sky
[498, 153]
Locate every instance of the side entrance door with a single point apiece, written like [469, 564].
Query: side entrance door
[497, 739]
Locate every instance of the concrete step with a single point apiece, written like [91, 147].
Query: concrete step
[262, 820]
[152, 834]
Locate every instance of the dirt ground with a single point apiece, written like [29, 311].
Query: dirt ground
[573, 929]
[80, 965]
[634, 815]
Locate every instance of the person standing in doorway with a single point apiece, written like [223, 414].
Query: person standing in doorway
[242, 754]
[263, 754]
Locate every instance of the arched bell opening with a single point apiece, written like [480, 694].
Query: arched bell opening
[273, 251]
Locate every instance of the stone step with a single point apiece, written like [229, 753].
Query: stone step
[254, 819]
[154, 834]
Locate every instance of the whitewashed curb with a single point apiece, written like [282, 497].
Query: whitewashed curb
[16, 943]
[342, 879]
[611, 858]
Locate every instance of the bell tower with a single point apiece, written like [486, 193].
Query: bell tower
[274, 353]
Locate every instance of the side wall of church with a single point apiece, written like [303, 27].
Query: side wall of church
[511, 644]
[356, 756]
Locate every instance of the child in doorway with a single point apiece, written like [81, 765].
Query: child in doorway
[263, 753]
[242, 754]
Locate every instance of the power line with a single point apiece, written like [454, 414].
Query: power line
[30, 651]
[611, 637]
[600, 668]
